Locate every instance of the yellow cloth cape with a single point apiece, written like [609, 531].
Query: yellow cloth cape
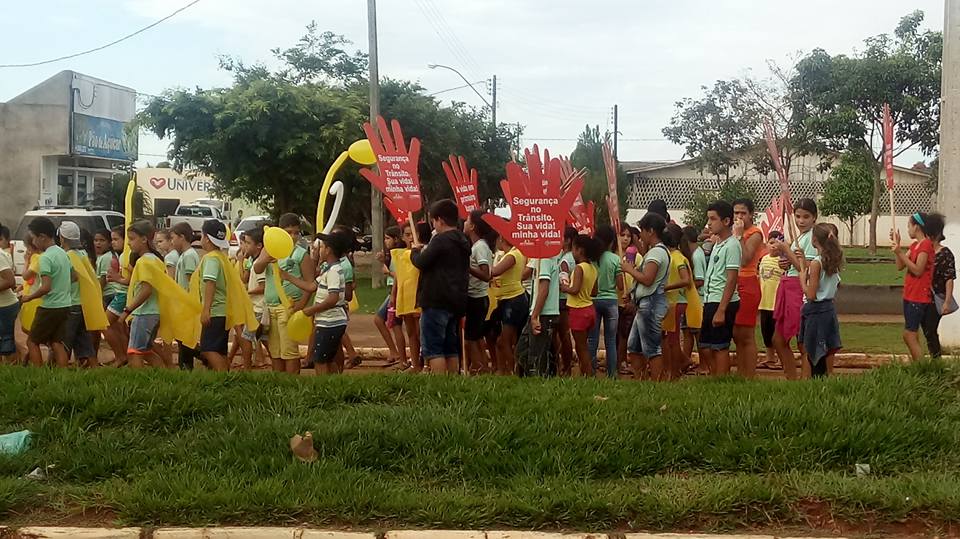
[408, 276]
[239, 306]
[694, 307]
[91, 295]
[179, 311]
[29, 310]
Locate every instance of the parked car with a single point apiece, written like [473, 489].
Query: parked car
[195, 215]
[248, 223]
[87, 219]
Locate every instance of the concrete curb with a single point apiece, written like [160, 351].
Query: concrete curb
[36, 532]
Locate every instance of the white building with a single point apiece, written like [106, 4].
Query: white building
[61, 140]
[677, 182]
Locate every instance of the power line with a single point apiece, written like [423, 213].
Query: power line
[456, 39]
[452, 89]
[447, 42]
[100, 48]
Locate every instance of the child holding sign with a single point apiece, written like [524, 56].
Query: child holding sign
[444, 265]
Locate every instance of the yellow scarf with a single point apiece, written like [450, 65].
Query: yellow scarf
[91, 295]
[29, 310]
[239, 306]
[179, 311]
[408, 277]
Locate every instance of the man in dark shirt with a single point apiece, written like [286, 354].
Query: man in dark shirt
[444, 265]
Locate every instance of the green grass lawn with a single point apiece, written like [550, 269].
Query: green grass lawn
[370, 299]
[176, 448]
[867, 338]
[871, 274]
[863, 252]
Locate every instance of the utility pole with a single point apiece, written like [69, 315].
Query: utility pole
[376, 204]
[518, 141]
[616, 131]
[948, 191]
[493, 107]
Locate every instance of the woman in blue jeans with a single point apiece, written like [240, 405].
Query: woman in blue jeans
[606, 303]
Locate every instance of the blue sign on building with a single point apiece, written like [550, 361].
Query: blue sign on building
[100, 137]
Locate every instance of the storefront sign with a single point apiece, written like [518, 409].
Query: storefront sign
[100, 137]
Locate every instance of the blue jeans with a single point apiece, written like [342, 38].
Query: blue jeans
[439, 334]
[609, 314]
[646, 334]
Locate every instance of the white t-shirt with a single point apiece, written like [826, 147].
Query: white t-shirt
[255, 281]
[331, 280]
[480, 255]
[7, 297]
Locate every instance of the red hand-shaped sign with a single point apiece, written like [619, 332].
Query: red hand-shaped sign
[398, 215]
[397, 177]
[538, 208]
[464, 185]
[581, 216]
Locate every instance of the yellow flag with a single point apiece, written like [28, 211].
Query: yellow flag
[239, 306]
[91, 295]
[179, 311]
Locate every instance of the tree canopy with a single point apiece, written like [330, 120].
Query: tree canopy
[841, 97]
[848, 192]
[271, 136]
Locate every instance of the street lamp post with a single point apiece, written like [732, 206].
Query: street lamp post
[493, 107]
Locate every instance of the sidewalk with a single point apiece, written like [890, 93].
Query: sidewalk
[306, 533]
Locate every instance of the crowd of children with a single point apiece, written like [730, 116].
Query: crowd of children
[461, 299]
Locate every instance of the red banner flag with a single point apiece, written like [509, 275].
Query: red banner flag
[538, 208]
[613, 203]
[888, 145]
[397, 175]
[775, 213]
[463, 181]
[775, 156]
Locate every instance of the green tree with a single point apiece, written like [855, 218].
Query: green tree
[849, 190]
[715, 129]
[271, 136]
[112, 194]
[695, 213]
[589, 154]
[840, 97]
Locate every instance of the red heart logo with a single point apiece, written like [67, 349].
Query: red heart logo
[158, 183]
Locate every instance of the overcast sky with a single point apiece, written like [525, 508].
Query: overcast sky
[561, 64]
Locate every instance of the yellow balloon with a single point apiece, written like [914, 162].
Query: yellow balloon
[299, 326]
[362, 152]
[277, 242]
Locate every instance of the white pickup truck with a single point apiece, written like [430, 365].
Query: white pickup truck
[195, 215]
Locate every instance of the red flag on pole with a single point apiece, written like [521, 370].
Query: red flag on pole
[771, 140]
[888, 145]
[613, 204]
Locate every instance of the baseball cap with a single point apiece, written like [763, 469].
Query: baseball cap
[217, 232]
[69, 231]
[338, 241]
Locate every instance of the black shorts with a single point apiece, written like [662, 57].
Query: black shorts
[326, 343]
[49, 325]
[475, 319]
[718, 337]
[767, 327]
[76, 338]
[214, 337]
